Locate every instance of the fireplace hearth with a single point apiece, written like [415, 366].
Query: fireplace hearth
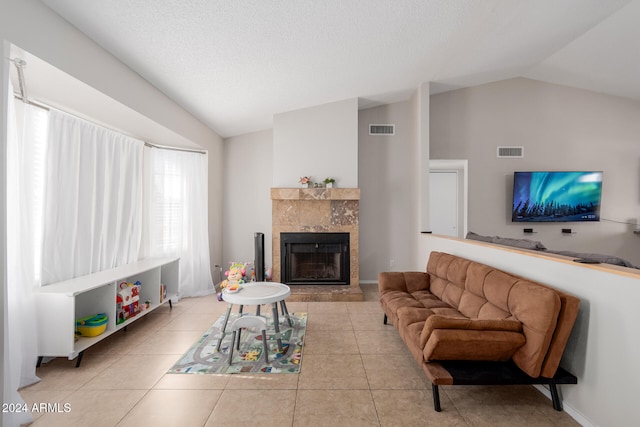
[309, 258]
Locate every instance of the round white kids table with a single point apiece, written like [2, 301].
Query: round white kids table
[258, 293]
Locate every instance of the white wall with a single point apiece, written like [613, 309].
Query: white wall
[247, 198]
[394, 182]
[33, 27]
[320, 142]
[388, 185]
[561, 128]
[603, 350]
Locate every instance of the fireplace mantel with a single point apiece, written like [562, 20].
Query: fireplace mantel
[315, 194]
[320, 210]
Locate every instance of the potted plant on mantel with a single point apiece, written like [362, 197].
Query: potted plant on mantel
[328, 182]
[305, 181]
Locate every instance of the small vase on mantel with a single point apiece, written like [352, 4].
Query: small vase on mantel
[328, 182]
[305, 181]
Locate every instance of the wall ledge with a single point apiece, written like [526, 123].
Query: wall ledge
[633, 273]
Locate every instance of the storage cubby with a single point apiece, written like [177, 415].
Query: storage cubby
[58, 305]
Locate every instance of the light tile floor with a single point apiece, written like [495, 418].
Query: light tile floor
[355, 371]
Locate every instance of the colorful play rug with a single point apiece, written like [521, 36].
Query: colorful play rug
[202, 357]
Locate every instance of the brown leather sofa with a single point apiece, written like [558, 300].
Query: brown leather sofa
[469, 323]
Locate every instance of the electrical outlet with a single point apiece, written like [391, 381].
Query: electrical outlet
[392, 263]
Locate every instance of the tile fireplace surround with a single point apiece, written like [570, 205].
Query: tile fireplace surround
[320, 210]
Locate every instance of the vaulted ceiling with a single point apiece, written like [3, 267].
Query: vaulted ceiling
[233, 64]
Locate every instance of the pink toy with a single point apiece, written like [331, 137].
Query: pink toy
[235, 277]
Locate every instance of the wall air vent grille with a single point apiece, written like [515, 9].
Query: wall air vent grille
[510, 152]
[382, 129]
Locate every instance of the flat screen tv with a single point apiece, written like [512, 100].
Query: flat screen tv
[556, 196]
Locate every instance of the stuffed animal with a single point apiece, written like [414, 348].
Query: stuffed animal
[235, 276]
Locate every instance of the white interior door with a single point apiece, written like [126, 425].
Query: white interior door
[443, 203]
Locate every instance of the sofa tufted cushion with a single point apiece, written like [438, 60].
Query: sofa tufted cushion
[463, 344]
[409, 281]
[434, 322]
[570, 306]
[537, 307]
[410, 324]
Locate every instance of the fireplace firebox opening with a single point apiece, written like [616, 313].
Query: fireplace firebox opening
[314, 258]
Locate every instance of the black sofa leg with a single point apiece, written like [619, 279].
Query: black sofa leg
[436, 397]
[385, 319]
[555, 398]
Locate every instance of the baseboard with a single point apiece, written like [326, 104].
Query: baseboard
[368, 282]
[570, 410]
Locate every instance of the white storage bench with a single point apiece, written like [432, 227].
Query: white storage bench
[58, 305]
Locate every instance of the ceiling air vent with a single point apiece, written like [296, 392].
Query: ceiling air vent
[510, 152]
[382, 129]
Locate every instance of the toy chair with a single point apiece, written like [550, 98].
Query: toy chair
[255, 322]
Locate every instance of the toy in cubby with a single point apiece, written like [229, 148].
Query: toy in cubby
[163, 292]
[91, 326]
[127, 301]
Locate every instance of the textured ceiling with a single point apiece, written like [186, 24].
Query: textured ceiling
[234, 64]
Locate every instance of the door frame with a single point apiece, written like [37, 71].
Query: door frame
[460, 167]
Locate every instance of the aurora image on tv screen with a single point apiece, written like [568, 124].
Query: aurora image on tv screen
[556, 196]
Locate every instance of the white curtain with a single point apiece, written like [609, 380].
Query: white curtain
[25, 151]
[93, 199]
[178, 209]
